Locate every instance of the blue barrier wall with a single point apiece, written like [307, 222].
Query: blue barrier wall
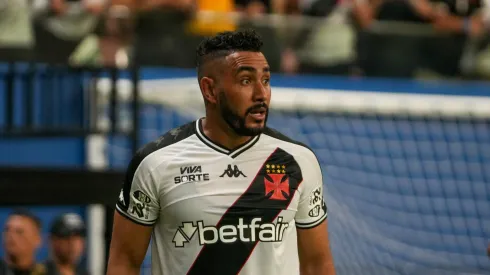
[42, 152]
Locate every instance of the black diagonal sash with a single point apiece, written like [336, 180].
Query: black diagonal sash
[229, 258]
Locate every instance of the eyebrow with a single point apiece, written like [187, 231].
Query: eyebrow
[251, 69]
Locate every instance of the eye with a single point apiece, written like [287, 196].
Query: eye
[266, 81]
[245, 81]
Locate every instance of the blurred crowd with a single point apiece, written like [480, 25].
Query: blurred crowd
[380, 38]
[22, 239]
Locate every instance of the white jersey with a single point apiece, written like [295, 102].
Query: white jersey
[217, 211]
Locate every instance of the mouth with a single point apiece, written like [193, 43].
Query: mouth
[258, 113]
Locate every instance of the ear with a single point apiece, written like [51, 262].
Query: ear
[208, 89]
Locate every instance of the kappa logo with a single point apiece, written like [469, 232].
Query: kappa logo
[276, 182]
[232, 172]
[121, 198]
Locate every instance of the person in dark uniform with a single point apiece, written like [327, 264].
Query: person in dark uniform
[21, 239]
[67, 243]
[460, 20]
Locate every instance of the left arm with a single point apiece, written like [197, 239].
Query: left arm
[315, 257]
[314, 251]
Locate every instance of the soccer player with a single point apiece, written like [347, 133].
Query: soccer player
[224, 194]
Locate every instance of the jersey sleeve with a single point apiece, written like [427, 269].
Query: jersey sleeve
[312, 208]
[139, 199]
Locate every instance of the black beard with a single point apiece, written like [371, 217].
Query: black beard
[237, 122]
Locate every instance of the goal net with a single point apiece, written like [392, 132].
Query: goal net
[406, 169]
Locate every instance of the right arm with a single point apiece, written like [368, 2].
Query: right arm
[137, 211]
[128, 246]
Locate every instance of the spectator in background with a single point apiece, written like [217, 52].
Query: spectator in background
[455, 16]
[391, 54]
[111, 43]
[21, 240]
[160, 28]
[67, 243]
[60, 25]
[462, 21]
[115, 43]
[254, 15]
[329, 45]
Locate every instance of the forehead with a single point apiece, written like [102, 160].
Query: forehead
[248, 59]
[20, 221]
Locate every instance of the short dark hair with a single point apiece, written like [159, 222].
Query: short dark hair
[225, 43]
[27, 214]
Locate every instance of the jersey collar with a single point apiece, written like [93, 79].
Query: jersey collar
[217, 147]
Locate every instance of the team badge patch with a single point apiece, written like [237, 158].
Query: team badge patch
[141, 202]
[276, 182]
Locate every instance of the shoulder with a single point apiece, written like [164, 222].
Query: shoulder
[172, 137]
[300, 151]
[299, 146]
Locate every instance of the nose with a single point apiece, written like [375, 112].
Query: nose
[261, 92]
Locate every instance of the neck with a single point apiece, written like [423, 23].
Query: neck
[23, 263]
[218, 131]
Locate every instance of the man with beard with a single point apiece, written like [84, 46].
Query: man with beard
[21, 240]
[224, 194]
[67, 242]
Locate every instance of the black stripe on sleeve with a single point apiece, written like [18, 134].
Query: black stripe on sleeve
[311, 224]
[123, 213]
[171, 137]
